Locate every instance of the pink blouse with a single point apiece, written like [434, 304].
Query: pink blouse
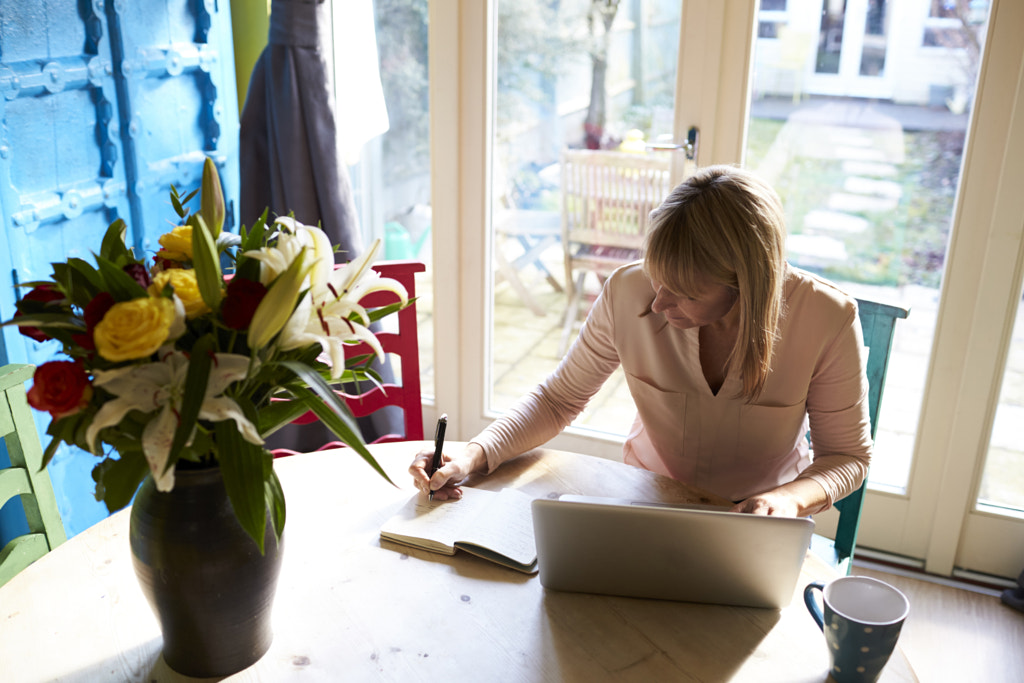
[717, 442]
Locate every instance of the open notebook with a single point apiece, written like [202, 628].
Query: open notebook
[494, 526]
[650, 550]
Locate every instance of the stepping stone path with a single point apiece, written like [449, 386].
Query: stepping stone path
[869, 146]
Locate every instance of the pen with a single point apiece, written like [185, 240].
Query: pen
[435, 464]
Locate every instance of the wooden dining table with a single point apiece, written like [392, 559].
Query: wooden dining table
[353, 607]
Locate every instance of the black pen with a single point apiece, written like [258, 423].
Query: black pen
[435, 464]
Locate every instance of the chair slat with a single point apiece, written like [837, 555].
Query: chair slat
[404, 345]
[878, 323]
[25, 477]
[607, 198]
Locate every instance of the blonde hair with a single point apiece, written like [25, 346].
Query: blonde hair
[726, 224]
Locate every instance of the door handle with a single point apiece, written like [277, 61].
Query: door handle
[689, 147]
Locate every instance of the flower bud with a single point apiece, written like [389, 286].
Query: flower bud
[211, 204]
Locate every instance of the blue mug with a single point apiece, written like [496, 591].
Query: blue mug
[861, 622]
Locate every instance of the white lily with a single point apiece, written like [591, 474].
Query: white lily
[294, 237]
[161, 386]
[323, 316]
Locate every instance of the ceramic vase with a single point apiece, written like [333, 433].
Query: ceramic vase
[204, 577]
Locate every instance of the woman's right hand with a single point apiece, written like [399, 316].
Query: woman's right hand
[453, 470]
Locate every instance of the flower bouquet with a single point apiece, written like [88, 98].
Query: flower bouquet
[198, 356]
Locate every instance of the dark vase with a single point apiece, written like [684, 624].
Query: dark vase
[203, 575]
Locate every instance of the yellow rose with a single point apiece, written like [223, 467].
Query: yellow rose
[185, 286]
[134, 329]
[177, 243]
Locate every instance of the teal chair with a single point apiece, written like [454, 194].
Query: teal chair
[879, 323]
[25, 477]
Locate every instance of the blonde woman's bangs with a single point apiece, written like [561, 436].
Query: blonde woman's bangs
[683, 255]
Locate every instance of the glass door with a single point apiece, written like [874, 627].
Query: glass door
[578, 74]
[850, 47]
[878, 197]
[912, 202]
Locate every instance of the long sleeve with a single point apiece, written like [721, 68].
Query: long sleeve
[718, 441]
[552, 406]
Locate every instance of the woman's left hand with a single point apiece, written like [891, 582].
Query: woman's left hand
[798, 498]
[770, 503]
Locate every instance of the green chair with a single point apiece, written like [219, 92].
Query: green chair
[878, 322]
[25, 477]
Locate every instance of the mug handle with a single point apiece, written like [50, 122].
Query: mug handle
[812, 604]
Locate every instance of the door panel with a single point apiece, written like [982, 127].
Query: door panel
[104, 106]
[177, 99]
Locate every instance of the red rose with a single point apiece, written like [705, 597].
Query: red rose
[138, 272]
[43, 294]
[163, 263]
[61, 388]
[96, 309]
[240, 301]
[93, 314]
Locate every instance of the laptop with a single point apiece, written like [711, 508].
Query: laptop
[698, 553]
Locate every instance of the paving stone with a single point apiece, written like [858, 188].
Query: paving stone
[847, 137]
[857, 203]
[859, 153]
[869, 168]
[834, 221]
[872, 186]
[816, 248]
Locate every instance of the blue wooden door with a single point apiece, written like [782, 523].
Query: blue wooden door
[105, 105]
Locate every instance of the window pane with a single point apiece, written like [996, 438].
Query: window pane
[1002, 484]
[391, 171]
[868, 182]
[552, 93]
[830, 37]
[876, 24]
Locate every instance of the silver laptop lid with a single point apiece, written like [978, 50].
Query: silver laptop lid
[635, 549]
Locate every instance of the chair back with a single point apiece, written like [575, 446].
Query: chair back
[607, 198]
[25, 477]
[401, 346]
[878, 321]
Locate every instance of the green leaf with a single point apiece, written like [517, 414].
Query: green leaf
[118, 480]
[176, 203]
[51, 450]
[112, 248]
[277, 414]
[206, 260]
[384, 311]
[242, 465]
[45, 320]
[199, 362]
[120, 284]
[83, 270]
[254, 237]
[332, 412]
[275, 503]
[79, 280]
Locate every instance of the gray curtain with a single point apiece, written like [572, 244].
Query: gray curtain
[289, 163]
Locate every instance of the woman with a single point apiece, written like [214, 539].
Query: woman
[730, 354]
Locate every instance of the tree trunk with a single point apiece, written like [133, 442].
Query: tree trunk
[603, 12]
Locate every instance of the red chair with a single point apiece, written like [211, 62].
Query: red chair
[402, 344]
